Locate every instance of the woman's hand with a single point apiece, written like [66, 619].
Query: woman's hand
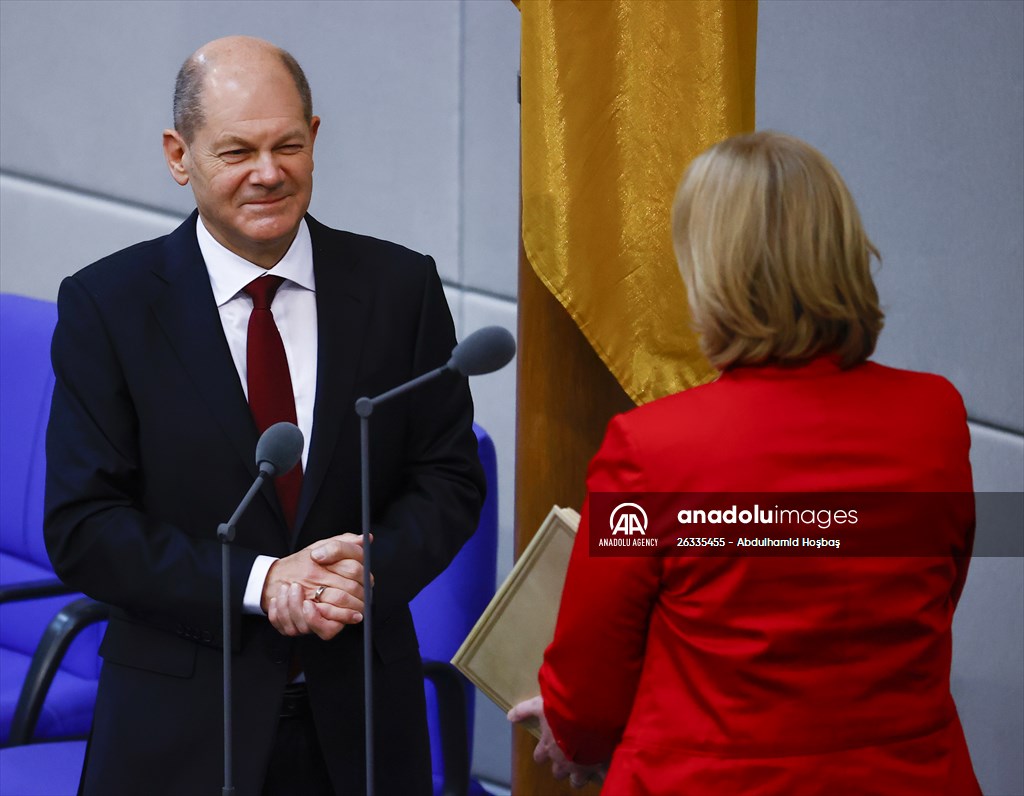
[548, 749]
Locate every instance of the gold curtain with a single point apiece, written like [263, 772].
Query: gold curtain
[617, 97]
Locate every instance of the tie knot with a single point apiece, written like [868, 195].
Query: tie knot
[262, 289]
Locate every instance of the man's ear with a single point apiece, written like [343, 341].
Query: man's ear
[174, 153]
[314, 126]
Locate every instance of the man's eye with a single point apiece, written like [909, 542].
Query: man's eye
[233, 153]
[290, 149]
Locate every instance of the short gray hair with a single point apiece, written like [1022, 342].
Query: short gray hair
[188, 89]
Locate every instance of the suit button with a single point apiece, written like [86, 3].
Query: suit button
[207, 636]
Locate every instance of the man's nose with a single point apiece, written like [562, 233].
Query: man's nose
[266, 170]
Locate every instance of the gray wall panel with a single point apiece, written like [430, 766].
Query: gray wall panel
[490, 176]
[997, 459]
[86, 92]
[988, 662]
[920, 106]
[50, 232]
[453, 295]
[988, 632]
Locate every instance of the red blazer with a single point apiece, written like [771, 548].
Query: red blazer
[772, 675]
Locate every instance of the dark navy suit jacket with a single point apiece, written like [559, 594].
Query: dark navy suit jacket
[151, 445]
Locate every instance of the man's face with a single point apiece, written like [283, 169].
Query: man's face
[251, 162]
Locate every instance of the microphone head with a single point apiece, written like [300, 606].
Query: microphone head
[279, 449]
[485, 351]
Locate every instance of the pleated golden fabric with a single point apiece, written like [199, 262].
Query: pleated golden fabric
[617, 97]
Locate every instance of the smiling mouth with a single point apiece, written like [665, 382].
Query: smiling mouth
[265, 202]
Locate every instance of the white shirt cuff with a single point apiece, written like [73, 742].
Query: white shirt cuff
[254, 587]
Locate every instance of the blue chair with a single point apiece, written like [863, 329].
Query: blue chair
[444, 613]
[42, 769]
[30, 594]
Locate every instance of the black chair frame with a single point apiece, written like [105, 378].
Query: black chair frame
[449, 687]
[69, 621]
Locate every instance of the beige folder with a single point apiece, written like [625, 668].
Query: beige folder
[504, 651]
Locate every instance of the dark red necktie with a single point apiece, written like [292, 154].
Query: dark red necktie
[271, 399]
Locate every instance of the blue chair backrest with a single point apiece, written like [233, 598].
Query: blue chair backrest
[446, 610]
[26, 386]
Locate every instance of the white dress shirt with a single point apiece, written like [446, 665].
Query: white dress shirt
[294, 309]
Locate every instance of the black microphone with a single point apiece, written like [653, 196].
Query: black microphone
[485, 351]
[278, 450]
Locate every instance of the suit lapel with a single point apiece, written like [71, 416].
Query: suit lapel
[188, 314]
[343, 304]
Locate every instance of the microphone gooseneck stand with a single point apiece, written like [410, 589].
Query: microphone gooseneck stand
[278, 451]
[226, 535]
[486, 350]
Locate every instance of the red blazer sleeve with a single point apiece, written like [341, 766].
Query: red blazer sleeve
[592, 667]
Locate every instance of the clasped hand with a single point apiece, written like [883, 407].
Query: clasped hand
[335, 563]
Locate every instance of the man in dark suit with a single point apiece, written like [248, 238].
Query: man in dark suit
[159, 400]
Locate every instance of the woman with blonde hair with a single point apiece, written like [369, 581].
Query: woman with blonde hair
[788, 673]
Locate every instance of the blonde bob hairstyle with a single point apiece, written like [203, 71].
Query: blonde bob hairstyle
[775, 260]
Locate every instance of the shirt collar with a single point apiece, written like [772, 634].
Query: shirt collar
[229, 272]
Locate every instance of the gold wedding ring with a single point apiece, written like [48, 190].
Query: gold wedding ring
[319, 593]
